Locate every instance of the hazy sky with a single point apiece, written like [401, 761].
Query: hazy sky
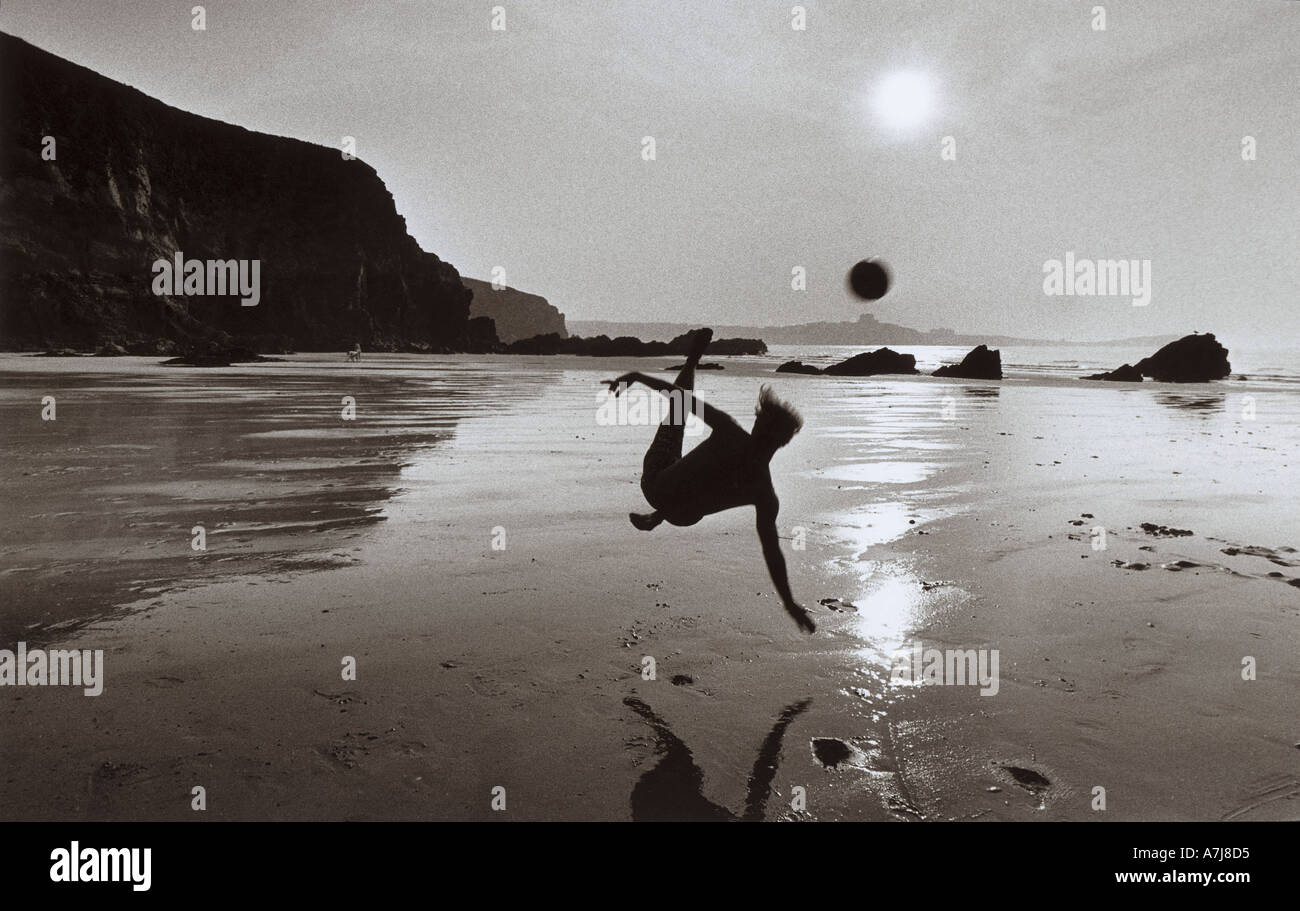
[523, 148]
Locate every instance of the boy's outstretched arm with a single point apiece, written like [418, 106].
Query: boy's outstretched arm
[771, 541]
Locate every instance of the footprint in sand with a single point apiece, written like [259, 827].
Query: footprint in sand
[1038, 785]
[1273, 556]
[833, 753]
[1031, 781]
[343, 753]
[341, 699]
[353, 747]
[114, 771]
[165, 682]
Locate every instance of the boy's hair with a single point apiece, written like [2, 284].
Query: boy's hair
[776, 421]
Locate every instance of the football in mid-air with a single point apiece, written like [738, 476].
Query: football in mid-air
[869, 279]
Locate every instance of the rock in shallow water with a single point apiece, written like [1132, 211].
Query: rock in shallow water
[871, 363]
[1192, 359]
[982, 363]
[1125, 374]
[798, 367]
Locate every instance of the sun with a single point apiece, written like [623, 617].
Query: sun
[903, 100]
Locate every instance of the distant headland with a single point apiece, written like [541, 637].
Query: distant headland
[866, 330]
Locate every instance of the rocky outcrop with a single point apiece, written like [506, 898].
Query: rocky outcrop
[1125, 374]
[517, 314]
[982, 363]
[626, 346]
[1191, 359]
[798, 367]
[98, 181]
[722, 346]
[213, 354]
[872, 363]
[481, 336]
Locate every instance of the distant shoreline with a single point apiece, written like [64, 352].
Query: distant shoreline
[844, 333]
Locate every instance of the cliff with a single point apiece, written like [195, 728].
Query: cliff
[517, 314]
[133, 180]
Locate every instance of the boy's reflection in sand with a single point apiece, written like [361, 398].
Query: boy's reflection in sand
[673, 788]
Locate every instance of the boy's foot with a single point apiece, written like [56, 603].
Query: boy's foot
[699, 343]
[801, 617]
[644, 522]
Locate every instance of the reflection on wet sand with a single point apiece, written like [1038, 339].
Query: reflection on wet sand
[1203, 402]
[673, 789]
[148, 484]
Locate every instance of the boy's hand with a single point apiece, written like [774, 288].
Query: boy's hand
[618, 385]
[801, 617]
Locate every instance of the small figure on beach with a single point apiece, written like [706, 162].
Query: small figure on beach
[728, 469]
[355, 353]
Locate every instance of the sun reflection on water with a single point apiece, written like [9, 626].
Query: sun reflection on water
[887, 610]
[889, 597]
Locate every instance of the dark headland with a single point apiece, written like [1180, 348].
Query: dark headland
[133, 180]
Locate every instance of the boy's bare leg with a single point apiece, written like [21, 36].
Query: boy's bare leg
[667, 444]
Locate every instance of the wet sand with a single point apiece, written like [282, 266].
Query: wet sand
[933, 510]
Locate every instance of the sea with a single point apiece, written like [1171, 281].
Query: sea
[1272, 366]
